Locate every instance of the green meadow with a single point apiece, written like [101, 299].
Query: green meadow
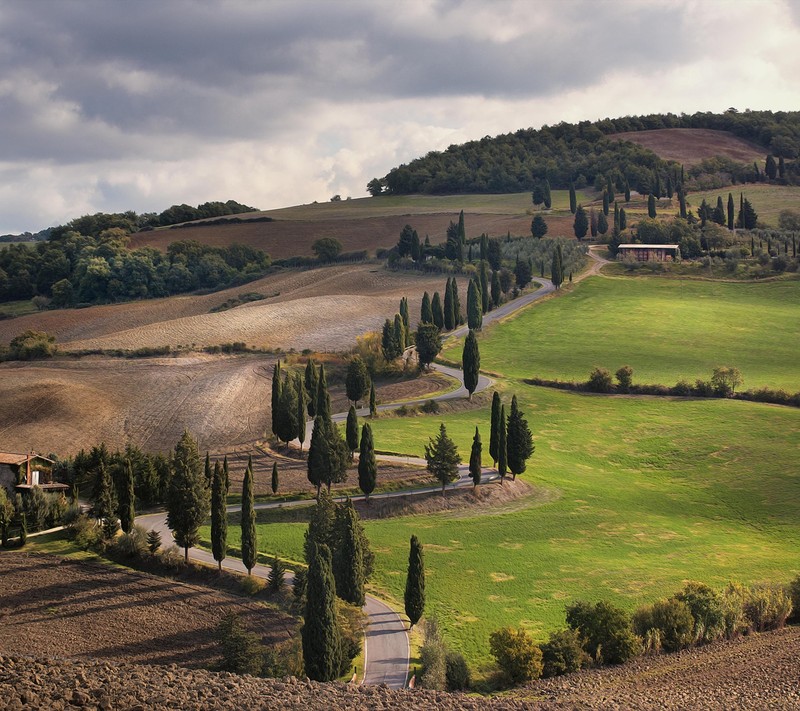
[665, 329]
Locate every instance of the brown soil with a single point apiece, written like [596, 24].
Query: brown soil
[51, 607]
[692, 145]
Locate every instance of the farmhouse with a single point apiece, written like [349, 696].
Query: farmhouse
[649, 252]
[24, 471]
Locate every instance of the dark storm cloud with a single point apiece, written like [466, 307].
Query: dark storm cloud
[83, 80]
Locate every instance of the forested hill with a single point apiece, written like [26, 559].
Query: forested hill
[586, 154]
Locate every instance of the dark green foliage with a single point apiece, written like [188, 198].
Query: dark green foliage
[670, 619]
[429, 343]
[627, 191]
[548, 200]
[592, 223]
[517, 655]
[707, 608]
[373, 403]
[771, 167]
[127, 498]
[537, 196]
[357, 381]
[475, 459]
[442, 457]
[206, 472]
[474, 306]
[274, 477]
[276, 395]
[438, 312]
[242, 652]
[605, 203]
[493, 254]
[367, 466]
[523, 273]
[375, 187]
[187, 497]
[319, 456]
[320, 525]
[153, 541]
[606, 630]
[110, 527]
[457, 672]
[502, 451]
[433, 658]
[404, 243]
[573, 200]
[286, 424]
[454, 247]
[426, 312]
[300, 413]
[494, 436]
[563, 653]
[299, 592]
[389, 345]
[449, 312]
[457, 317]
[730, 211]
[249, 542]
[277, 571]
[323, 406]
[682, 202]
[471, 362]
[219, 515]
[600, 381]
[602, 224]
[327, 249]
[519, 440]
[414, 597]
[748, 217]
[348, 557]
[616, 217]
[557, 266]
[400, 332]
[483, 273]
[406, 327]
[351, 430]
[103, 497]
[496, 290]
[718, 213]
[322, 639]
[651, 206]
[581, 223]
[623, 218]
[624, 378]
[310, 379]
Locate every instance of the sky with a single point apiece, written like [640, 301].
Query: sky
[112, 105]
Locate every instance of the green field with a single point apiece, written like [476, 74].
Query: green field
[664, 329]
[632, 496]
[767, 200]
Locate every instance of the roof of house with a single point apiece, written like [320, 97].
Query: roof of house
[648, 246]
[14, 458]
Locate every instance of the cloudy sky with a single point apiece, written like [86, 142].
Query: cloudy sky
[108, 105]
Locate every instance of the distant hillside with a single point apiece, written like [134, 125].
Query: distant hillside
[590, 152]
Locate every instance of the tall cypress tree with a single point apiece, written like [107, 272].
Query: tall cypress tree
[274, 477]
[609, 188]
[496, 290]
[475, 459]
[311, 388]
[319, 455]
[276, 395]
[623, 218]
[458, 320]
[404, 316]
[605, 203]
[207, 471]
[474, 309]
[300, 394]
[286, 425]
[519, 442]
[227, 474]
[426, 313]
[494, 433]
[187, 495]
[389, 345]
[449, 319]
[321, 636]
[351, 430]
[127, 499]
[548, 200]
[616, 216]
[573, 200]
[471, 362]
[414, 597]
[367, 466]
[651, 206]
[730, 211]
[557, 267]
[484, 246]
[581, 223]
[348, 556]
[373, 404]
[484, 278]
[627, 191]
[438, 312]
[399, 333]
[249, 543]
[462, 232]
[219, 517]
[502, 451]
[323, 406]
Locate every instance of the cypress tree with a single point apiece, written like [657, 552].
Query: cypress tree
[442, 457]
[373, 405]
[616, 216]
[319, 455]
[484, 277]
[277, 571]
[669, 187]
[438, 313]
[651, 206]
[348, 556]
[399, 333]
[274, 477]
[351, 430]
[286, 426]
[471, 363]
[592, 223]
[357, 381]
[718, 214]
[605, 203]
[548, 200]
[429, 343]
[740, 221]
[519, 442]
[127, 498]
[484, 246]
[323, 406]
[311, 388]
[627, 191]
[502, 452]
[494, 433]
[227, 475]
[389, 346]
[475, 459]
[249, 543]
[496, 290]
[276, 395]
[416, 247]
[623, 219]
[462, 232]
[206, 472]
[456, 304]
[474, 310]
[414, 597]
[781, 168]
[609, 188]
[682, 202]
[449, 313]
[187, 495]
[730, 211]
[367, 466]
[404, 316]
[321, 525]
[321, 636]
[657, 182]
[581, 224]
[557, 267]
[300, 394]
[219, 517]
[573, 200]
[426, 313]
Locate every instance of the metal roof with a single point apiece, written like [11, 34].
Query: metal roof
[648, 246]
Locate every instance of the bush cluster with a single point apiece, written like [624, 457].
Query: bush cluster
[442, 669]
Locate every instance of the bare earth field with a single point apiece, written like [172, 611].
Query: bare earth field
[52, 607]
[321, 309]
[692, 145]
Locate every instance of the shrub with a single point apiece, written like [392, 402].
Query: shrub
[433, 657]
[284, 659]
[153, 541]
[794, 594]
[251, 585]
[707, 610]
[606, 629]
[431, 407]
[84, 532]
[517, 654]
[32, 345]
[242, 652]
[624, 378]
[352, 623]
[110, 528]
[767, 606]
[170, 558]
[682, 388]
[703, 388]
[671, 618]
[456, 672]
[133, 544]
[600, 381]
[733, 600]
[563, 653]
[276, 574]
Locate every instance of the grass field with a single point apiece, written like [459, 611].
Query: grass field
[633, 496]
[767, 200]
[664, 329]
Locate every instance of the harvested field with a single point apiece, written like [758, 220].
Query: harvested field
[692, 145]
[51, 607]
[321, 309]
[65, 405]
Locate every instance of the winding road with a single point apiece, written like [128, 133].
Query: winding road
[386, 647]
